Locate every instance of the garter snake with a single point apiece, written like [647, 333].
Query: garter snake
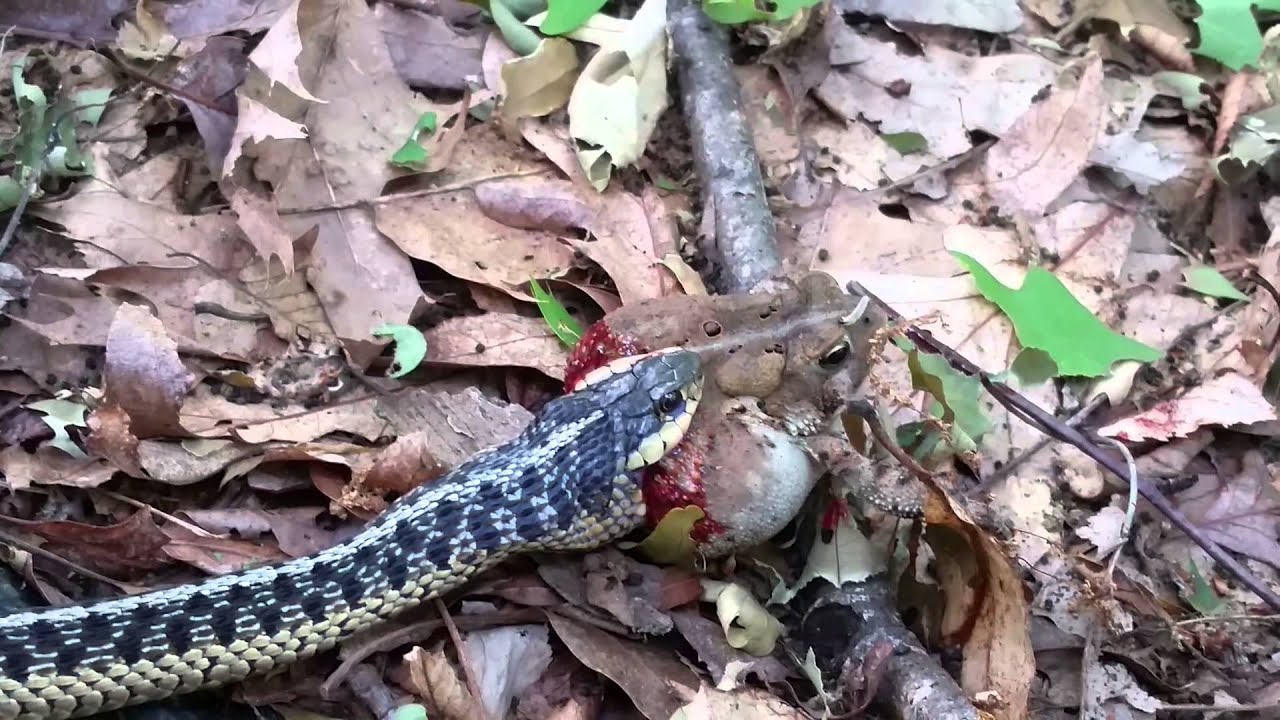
[570, 481]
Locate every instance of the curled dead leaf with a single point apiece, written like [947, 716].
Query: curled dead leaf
[127, 549]
[144, 375]
[433, 678]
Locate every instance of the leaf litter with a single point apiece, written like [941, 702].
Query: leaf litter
[216, 261]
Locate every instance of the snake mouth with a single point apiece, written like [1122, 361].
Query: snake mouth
[623, 364]
[675, 421]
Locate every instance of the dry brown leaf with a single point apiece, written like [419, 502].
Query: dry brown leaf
[115, 230]
[1241, 513]
[367, 112]
[566, 691]
[450, 230]
[172, 293]
[453, 123]
[435, 431]
[772, 118]
[189, 462]
[278, 53]
[50, 466]
[428, 50]
[506, 662]
[433, 678]
[257, 123]
[294, 528]
[217, 556]
[144, 375]
[259, 218]
[399, 467]
[620, 238]
[1229, 399]
[111, 438]
[656, 682]
[297, 425]
[205, 84]
[727, 665]
[632, 592]
[497, 340]
[748, 703]
[1167, 47]
[92, 21]
[552, 140]
[127, 549]
[985, 607]
[1049, 146]
[868, 76]
[208, 414]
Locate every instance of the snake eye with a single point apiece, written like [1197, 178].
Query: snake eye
[835, 357]
[670, 402]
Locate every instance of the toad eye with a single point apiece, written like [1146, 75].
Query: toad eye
[835, 357]
[670, 402]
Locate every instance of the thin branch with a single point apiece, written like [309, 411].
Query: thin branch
[1033, 415]
[473, 685]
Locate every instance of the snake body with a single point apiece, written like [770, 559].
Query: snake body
[571, 480]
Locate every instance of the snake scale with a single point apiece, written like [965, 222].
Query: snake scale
[571, 480]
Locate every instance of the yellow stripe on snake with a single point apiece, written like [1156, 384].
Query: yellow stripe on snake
[570, 481]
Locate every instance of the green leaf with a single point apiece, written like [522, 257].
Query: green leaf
[58, 414]
[787, 8]
[1182, 85]
[22, 90]
[1228, 31]
[906, 142]
[90, 104]
[568, 15]
[1033, 367]
[66, 159]
[1046, 316]
[733, 12]
[410, 348]
[956, 396]
[664, 182]
[669, 543]
[411, 155]
[1202, 598]
[412, 711]
[1253, 142]
[559, 319]
[33, 128]
[1208, 281]
[10, 192]
[519, 37]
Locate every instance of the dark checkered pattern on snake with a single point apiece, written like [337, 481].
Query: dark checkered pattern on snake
[570, 481]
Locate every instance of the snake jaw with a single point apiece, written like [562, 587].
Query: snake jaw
[675, 480]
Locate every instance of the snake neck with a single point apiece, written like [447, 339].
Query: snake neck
[540, 492]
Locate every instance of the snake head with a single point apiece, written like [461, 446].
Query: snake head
[651, 398]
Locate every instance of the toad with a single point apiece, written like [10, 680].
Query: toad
[781, 364]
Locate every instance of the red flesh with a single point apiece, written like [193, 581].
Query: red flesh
[673, 482]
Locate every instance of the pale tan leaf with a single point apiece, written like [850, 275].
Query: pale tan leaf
[622, 91]
[1049, 146]
[278, 53]
[497, 340]
[540, 83]
[259, 218]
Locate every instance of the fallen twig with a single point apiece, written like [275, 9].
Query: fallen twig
[1033, 415]
[733, 196]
